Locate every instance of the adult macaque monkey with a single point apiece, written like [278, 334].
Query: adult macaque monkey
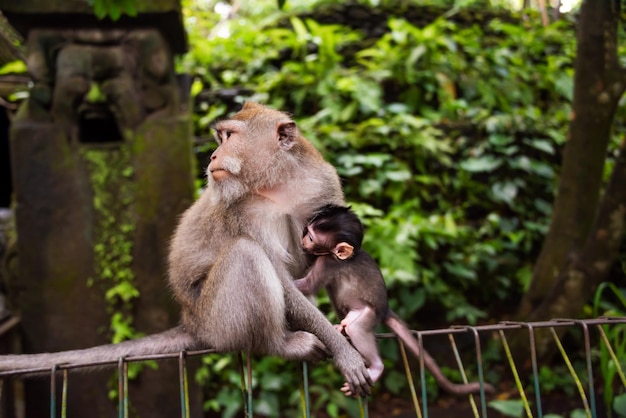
[357, 291]
[236, 251]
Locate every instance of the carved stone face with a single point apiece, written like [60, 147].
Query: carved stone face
[102, 83]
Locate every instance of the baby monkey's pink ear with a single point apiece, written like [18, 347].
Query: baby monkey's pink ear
[343, 250]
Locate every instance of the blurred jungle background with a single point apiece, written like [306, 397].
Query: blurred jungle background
[484, 160]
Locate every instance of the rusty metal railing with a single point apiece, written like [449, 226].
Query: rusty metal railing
[587, 395]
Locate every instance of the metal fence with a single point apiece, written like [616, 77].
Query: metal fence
[594, 333]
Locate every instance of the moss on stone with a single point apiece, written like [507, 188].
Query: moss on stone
[114, 190]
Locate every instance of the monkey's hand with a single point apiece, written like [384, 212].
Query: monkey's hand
[348, 392]
[358, 379]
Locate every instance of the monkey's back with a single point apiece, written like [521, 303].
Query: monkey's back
[359, 282]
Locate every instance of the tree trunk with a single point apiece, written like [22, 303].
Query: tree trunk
[583, 239]
[598, 86]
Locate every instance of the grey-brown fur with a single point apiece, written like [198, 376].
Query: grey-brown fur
[357, 291]
[236, 251]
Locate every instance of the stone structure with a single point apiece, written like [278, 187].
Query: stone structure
[102, 167]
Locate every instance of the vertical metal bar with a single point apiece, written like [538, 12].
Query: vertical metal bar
[479, 362]
[64, 395]
[184, 388]
[533, 359]
[409, 377]
[53, 392]
[518, 382]
[246, 389]
[126, 401]
[363, 408]
[568, 363]
[420, 344]
[304, 392]
[463, 375]
[249, 372]
[607, 344]
[242, 374]
[592, 396]
[122, 381]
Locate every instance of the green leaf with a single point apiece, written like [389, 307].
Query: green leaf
[124, 290]
[271, 381]
[481, 164]
[505, 192]
[13, 67]
[542, 145]
[619, 404]
[578, 413]
[508, 407]
[95, 94]
[501, 140]
[222, 363]
[460, 270]
[565, 85]
[395, 381]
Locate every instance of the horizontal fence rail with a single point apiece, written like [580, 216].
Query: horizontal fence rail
[478, 402]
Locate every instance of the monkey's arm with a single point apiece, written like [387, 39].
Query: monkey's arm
[304, 286]
[303, 315]
[310, 284]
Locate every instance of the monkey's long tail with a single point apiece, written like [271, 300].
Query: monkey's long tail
[458, 389]
[170, 341]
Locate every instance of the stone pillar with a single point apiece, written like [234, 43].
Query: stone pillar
[102, 167]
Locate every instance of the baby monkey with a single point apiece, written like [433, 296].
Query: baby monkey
[356, 288]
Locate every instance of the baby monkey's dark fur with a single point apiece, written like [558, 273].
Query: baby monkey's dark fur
[357, 291]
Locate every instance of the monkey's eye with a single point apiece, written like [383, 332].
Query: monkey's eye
[226, 135]
[310, 238]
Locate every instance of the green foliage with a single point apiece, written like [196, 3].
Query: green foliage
[13, 67]
[447, 138]
[113, 9]
[113, 190]
[276, 385]
[557, 379]
[418, 124]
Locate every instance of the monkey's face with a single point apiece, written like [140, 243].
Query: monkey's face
[308, 240]
[317, 243]
[226, 160]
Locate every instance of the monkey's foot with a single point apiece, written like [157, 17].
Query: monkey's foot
[302, 345]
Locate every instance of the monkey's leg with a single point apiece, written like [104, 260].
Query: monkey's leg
[244, 309]
[302, 314]
[359, 326]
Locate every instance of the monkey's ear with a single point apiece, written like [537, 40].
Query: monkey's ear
[343, 250]
[287, 134]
